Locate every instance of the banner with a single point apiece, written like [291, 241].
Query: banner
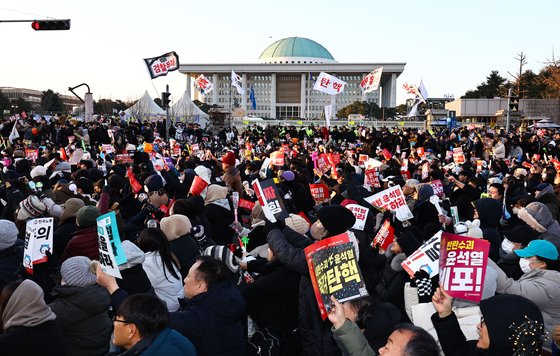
[203, 84]
[426, 257]
[38, 240]
[197, 186]
[329, 84]
[384, 236]
[391, 199]
[111, 252]
[360, 213]
[123, 158]
[160, 66]
[437, 187]
[236, 82]
[320, 192]
[462, 265]
[371, 81]
[277, 158]
[328, 114]
[270, 200]
[334, 270]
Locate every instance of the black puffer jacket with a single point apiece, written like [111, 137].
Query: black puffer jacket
[489, 212]
[82, 315]
[10, 263]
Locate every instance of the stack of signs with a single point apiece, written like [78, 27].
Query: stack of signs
[246, 204]
[38, 240]
[458, 156]
[425, 171]
[32, 154]
[372, 178]
[360, 213]
[111, 252]
[270, 200]
[384, 236]
[426, 257]
[334, 271]
[320, 192]
[391, 199]
[437, 187]
[277, 158]
[107, 148]
[462, 266]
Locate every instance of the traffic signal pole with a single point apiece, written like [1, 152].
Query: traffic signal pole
[508, 110]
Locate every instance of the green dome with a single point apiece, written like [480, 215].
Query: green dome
[296, 47]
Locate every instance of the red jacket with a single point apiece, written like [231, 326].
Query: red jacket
[84, 243]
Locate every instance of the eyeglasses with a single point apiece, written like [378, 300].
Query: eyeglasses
[120, 321]
[482, 321]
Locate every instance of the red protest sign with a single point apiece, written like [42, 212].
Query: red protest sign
[437, 187]
[246, 204]
[198, 185]
[323, 163]
[425, 171]
[527, 165]
[556, 164]
[277, 158]
[336, 158]
[32, 153]
[136, 187]
[384, 236]
[420, 151]
[372, 178]
[458, 158]
[462, 265]
[320, 192]
[362, 158]
[386, 154]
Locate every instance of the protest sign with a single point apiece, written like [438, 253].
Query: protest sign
[107, 148]
[384, 236]
[392, 199]
[329, 84]
[320, 192]
[323, 163]
[124, 157]
[462, 266]
[277, 158]
[32, 154]
[426, 257]
[176, 150]
[161, 65]
[246, 204]
[136, 187]
[420, 152]
[38, 240]
[264, 168]
[336, 158]
[425, 171]
[111, 252]
[197, 186]
[360, 213]
[76, 156]
[386, 154]
[334, 270]
[372, 178]
[371, 81]
[479, 166]
[437, 187]
[270, 200]
[362, 158]
[458, 158]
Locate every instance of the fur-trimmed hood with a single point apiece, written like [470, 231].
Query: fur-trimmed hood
[396, 262]
[537, 216]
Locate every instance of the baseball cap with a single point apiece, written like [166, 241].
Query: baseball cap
[539, 248]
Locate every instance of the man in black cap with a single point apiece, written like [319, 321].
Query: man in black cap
[289, 246]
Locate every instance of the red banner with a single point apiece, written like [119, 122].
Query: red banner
[386, 154]
[372, 178]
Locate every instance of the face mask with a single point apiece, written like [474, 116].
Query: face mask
[507, 246]
[525, 265]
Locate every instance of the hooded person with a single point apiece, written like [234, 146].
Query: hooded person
[489, 212]
[501, 331]
[288, 246]
[545, 194]
[218, 211]
[134, 280]
[177, 229]
[193, 208]
[29, 327]
[85, 240]
[539, 218]
[232, 176]
[81, 307]
[67, 225]
[11, 252]
[425, 213]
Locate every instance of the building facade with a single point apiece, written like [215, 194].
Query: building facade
[282, 80]
[33, 97]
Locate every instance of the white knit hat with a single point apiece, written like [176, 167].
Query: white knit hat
[297, 223]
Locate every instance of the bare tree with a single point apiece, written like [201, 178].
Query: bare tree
[522, 59]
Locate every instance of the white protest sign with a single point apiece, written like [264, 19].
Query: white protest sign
[392, 199]
[264, 167]
[38, 240]
[425, 258]
[329, 84]
[360, 213]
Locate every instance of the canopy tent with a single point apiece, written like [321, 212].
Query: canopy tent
[185, 110]
[144, 108]
[544, 124]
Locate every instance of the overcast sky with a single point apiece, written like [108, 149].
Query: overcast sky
[451, 45]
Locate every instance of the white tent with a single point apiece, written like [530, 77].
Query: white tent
[144, 108]
[185, 110]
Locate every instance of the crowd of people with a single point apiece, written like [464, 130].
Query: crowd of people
[204, 276]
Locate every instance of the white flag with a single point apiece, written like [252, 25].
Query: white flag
[329, 84]
[423, 92]
[236, 82]
[371, 81]
[203, 84]
[328, 114]
[14, 134]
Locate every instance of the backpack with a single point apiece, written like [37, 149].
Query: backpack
[263, 343]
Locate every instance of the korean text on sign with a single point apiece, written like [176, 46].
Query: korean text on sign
[360, 213]
[426, 257]
[329, 84]
[392, 199]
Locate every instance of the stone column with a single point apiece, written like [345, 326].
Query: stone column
[273, 96]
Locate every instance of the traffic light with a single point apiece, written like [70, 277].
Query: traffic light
[513, 104]
[50, 25]
[165, 99]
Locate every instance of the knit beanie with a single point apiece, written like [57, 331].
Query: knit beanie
[153, 183]
[87, 216]
[215, 192]
[408, 243]
[297, 223]
[224, 254]
[77, 271]
[175, 226]
[8, 234]
[30, 207]
[522, 234]
[229, 158]
[71, 207]
[336, 219]
[189, 207]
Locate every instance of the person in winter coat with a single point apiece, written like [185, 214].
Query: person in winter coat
[540, 281]
[538, 217]
[515, 238]
[288, 246]
[505, 319]
[489, 212]
[85, 241]
[177, 229]
[11, 253]
[29, 326]
[134, 279]
[231, 176]
[67, 225]
[425, 213]
[141, 328]
[219, 212]
[193, 208]
[544, 192]
[160, 268]
[81, 308]
[499, 150]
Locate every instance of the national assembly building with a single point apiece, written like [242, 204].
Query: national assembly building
[282, 81]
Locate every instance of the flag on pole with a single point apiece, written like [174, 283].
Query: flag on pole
[14, 134]
[236, 82]
[252, 98]
[203, 84]
[423, 92]
[371, 81]
[161, 65]
[329, 84]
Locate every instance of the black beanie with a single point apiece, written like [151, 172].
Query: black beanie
[336, 219]
[521, 234]
[408, 243]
